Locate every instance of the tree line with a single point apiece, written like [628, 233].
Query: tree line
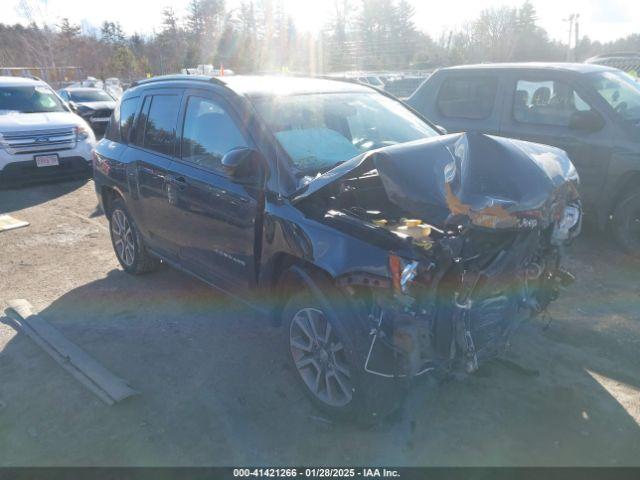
[261, 36]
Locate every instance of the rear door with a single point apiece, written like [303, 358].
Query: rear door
[539, 108]
[462, 101]
[153, 144]
[215, 218]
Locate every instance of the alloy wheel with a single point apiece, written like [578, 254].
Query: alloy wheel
[320, 357]
[123, 241]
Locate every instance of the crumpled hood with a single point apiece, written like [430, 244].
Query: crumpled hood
[495, 182]
[26, 122]
[100, 105]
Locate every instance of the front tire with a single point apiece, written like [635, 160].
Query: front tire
[127, 242]
[626, 223]
[327, 352]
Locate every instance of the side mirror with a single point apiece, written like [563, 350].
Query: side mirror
[72, 106]
[589, 121]
[244, 165]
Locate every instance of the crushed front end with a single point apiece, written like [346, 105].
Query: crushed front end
[478, 226]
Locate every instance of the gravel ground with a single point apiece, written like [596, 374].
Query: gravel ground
[215, 388]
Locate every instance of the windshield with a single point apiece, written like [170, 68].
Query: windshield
[29, 99]
[620, 91]
[319, 131]
[90, 96]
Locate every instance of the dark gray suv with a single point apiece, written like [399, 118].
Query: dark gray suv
[590, 111]
[385, 250]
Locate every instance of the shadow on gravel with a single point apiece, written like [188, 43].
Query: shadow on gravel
[216, 390]
[97, 212]
[12, 200]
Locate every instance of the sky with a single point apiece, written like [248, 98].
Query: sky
[602, 20]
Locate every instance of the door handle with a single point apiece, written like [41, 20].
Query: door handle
[177, 181]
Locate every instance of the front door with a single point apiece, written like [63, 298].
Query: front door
[215, 217]
[540, 109]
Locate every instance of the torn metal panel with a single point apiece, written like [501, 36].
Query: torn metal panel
[107, 386]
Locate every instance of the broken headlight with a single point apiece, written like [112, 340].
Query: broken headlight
[571, 216]
[568, 226]
[409, 272]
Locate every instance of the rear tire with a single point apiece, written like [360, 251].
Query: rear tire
[626, 223]
[329, 364]
[127, 242]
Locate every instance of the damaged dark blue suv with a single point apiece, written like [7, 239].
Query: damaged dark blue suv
[384, 249]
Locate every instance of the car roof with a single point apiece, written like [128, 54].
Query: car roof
[266, 85]
[20, 81]
[567, 67]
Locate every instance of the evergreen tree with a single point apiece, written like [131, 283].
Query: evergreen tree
[68, 30]
[111, 33]
[171, 42]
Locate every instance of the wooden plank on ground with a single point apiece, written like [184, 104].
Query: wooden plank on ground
[84, 368]
[7, 222]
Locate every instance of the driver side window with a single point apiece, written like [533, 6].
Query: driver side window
[208, 133]
[546, 102]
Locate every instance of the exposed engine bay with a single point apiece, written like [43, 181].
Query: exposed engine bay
[475, 227]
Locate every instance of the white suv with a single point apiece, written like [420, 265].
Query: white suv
[39, 136]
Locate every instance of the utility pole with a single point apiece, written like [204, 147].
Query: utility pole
[577, 30]
[573, 18]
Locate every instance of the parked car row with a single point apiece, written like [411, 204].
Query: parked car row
[386, 248]
[398, 84]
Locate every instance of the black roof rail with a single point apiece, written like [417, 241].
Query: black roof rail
[179, 77]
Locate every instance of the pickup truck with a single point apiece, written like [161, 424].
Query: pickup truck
[590, 111]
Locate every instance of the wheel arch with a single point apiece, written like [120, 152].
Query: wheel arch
[627, 185]
[290, 274]
[108, 195]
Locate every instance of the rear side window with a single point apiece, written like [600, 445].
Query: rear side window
[160, 126]
[138, 132]
[468, 97]
[122, 120]
[208, 133]
[546, 102]
[113, 129]
[127, 114]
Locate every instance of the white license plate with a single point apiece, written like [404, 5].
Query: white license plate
[100, 120]
[46, 160]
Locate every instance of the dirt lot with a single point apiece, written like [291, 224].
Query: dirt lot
[214, 385]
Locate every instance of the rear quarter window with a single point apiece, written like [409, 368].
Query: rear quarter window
[469, 97]
[122, 120]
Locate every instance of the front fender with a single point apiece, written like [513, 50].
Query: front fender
[288, 232]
